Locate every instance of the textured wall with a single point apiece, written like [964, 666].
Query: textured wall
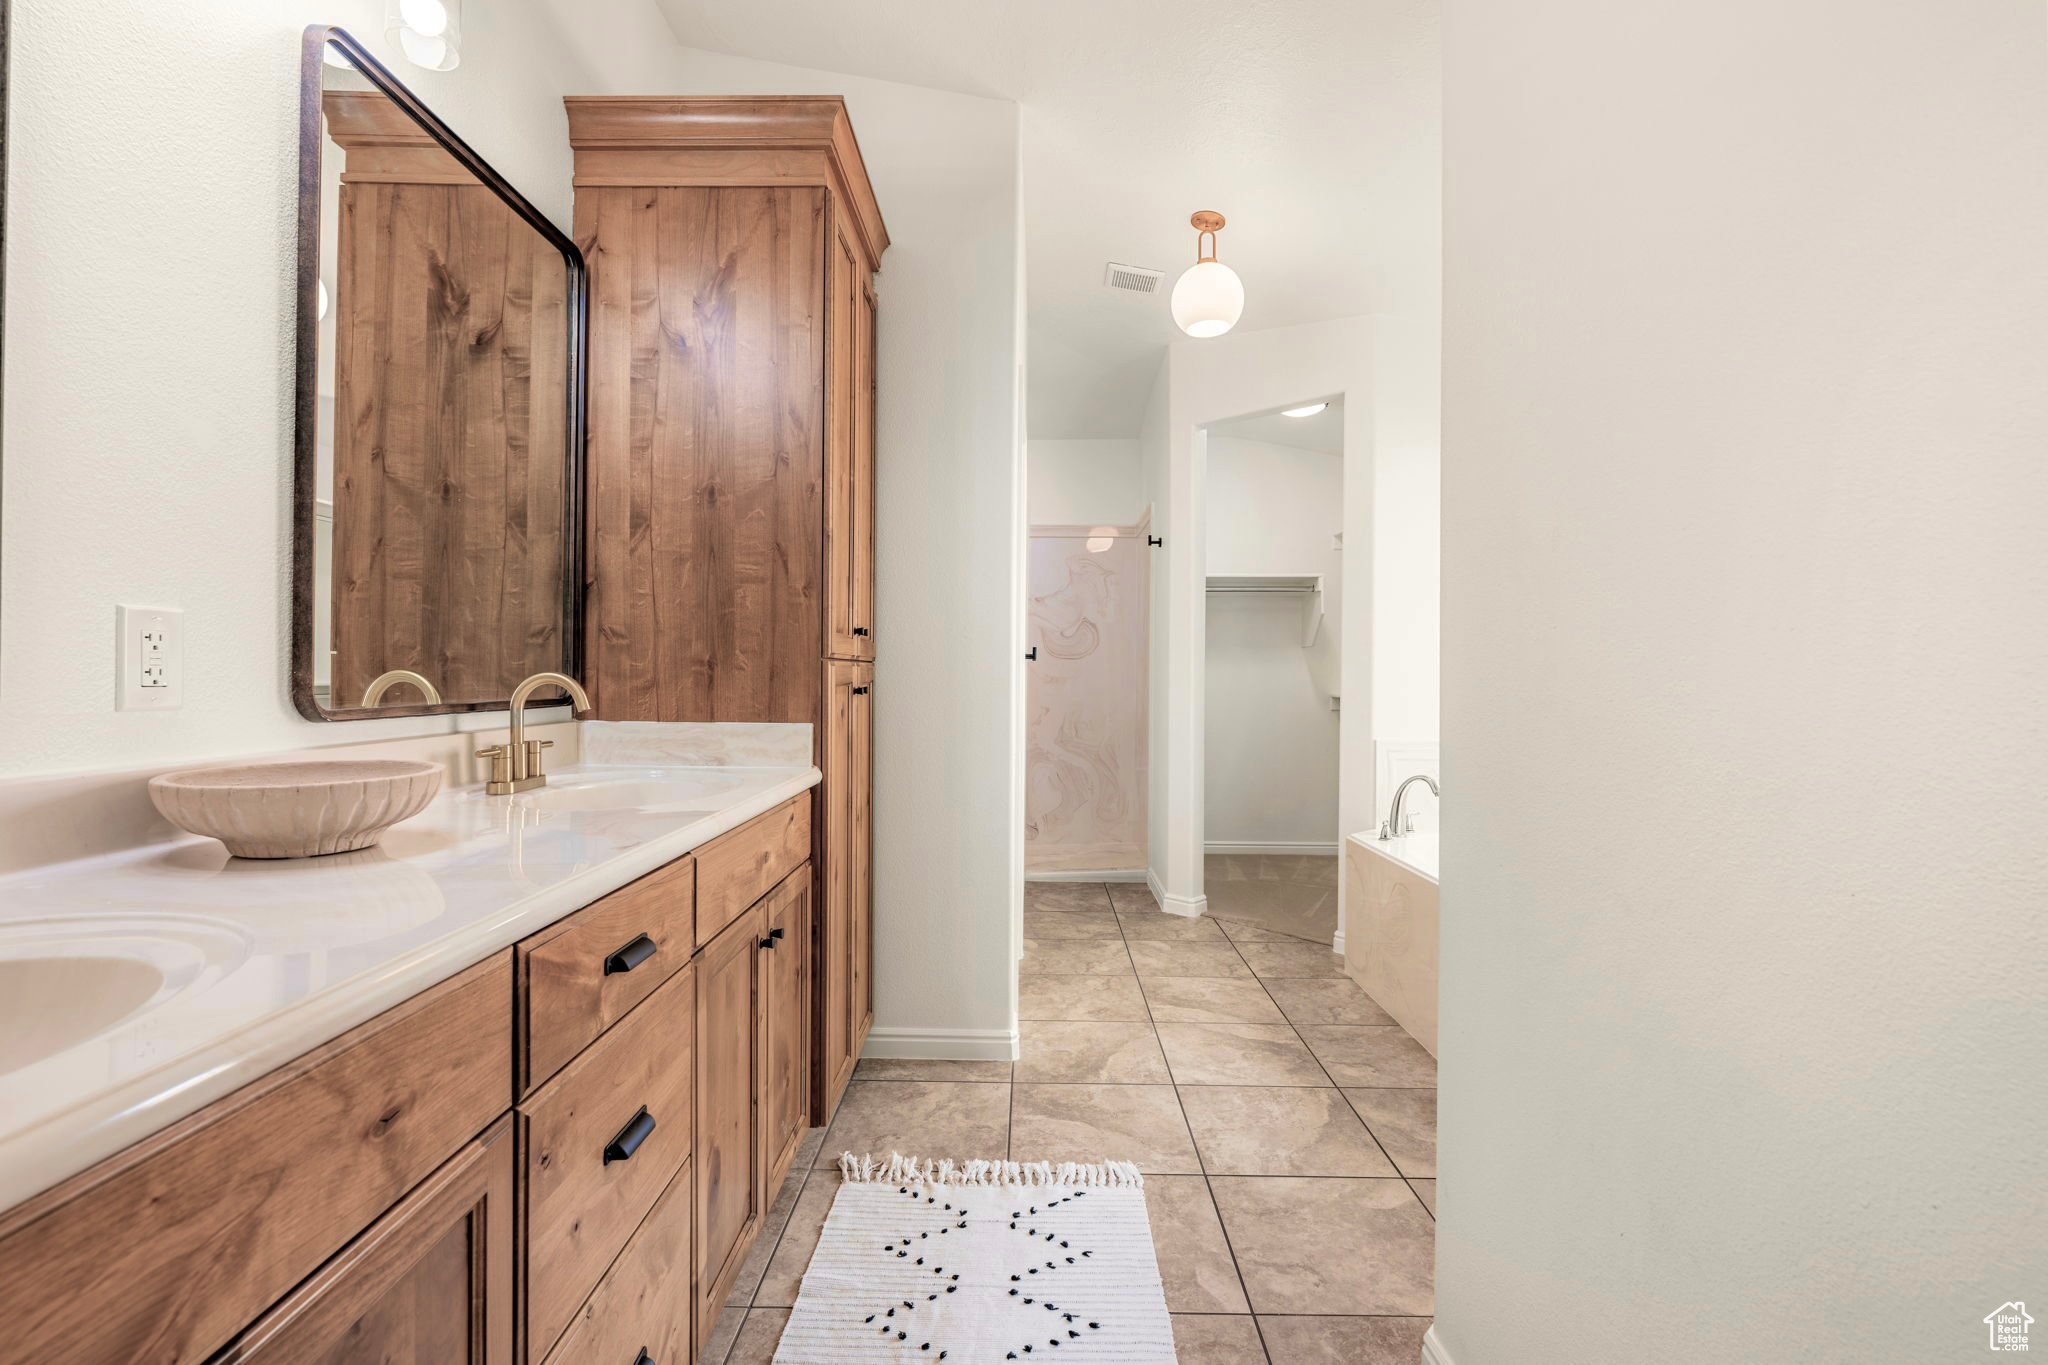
[1745, 652]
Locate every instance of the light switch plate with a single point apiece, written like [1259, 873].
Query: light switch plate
[149, 653]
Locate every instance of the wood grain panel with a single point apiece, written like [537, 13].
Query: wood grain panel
[643, 1303]
[706, 451]
[742, 865]
[429, 1283]
[163, 1252]
[450, 480]
[567, 996]
[729, 1146]
[842, 991]
[786, 1048]
[842, 293]
[580, 1207]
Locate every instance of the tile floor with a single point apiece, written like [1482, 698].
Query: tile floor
[1288, 893]
[1286, 1127]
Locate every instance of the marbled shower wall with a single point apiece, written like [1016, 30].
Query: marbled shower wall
[1084, 804]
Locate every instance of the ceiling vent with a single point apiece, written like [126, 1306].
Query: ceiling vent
[1132, 279]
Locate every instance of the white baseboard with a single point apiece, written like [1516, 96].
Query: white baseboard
[1303, 850]
[960, 1045]
[1188, 906]
[1337, 943]
[1433, 1352]
[1120, 874]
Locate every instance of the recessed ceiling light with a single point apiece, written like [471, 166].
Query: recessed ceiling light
[1309, 411]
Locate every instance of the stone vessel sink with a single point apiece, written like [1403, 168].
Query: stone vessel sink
[296, 810]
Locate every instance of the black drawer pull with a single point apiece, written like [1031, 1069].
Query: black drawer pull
[768, 943]
[630, 1137]
[775, 933]
[630, 956]
[643, 1358]
[860, 691]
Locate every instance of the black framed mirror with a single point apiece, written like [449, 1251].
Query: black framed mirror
[437, 547]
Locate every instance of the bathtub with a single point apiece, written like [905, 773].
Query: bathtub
[1390, 934]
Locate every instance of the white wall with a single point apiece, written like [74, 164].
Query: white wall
[148, 409]
[1086, 482]
[1406, 521]
[1745, 991]
[1270, 752]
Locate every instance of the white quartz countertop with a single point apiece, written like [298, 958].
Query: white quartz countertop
[247, 965]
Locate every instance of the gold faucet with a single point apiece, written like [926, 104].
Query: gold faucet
[384, 682]
[516, 767]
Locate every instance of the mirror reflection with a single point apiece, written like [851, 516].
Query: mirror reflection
[443, 462]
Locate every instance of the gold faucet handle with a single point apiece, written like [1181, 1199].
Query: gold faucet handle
[500, 780]
[533, 762]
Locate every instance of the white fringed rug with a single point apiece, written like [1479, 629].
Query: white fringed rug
[982, 1261]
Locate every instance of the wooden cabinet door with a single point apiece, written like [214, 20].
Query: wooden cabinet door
[429, 1283]
[729, 1143]
[861, 862]
[785, 999]
[862, 528]
[840, 990]
[847, 635]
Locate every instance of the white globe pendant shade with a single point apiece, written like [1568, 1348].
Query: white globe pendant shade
[1208, 299]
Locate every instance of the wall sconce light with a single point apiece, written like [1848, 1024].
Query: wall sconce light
[1208, 298]
[428, 32]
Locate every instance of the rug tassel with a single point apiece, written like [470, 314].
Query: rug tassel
[910, 1170]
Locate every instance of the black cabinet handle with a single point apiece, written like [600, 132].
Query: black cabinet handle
[622, 1147]
[630, 956]
[643, 1358]
[775, 933]
[767, 943]
[860, 630]
[860, 691]
[1031, 654]
[1154, 540]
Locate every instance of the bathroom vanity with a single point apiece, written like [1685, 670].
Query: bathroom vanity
[559, 1151]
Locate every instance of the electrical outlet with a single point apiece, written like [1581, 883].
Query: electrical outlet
[149, 655]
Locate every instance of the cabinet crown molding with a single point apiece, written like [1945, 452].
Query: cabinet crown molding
[656, 140]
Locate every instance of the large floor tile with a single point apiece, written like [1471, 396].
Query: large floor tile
[928, 1069]
[1075, 956]
[1370, 1056]
[791, 1253]
[1096, 1054]
[1159, 926]
[1065, 896]
[1404, 1121]
[1291, 959]
[1244, 931]
[1101, 998]
[1296, 1130]
[724, 1332]
[959, 1119]
[1425, 1190]
[1209, 1000]
[1140, 1123]
[1329, 1246]
[1217, 1339]
[1154, 957]
[1325, 1000]
[1238, 1054]
[748, 1280]
[1343, 1341]
[1194, 1259]
[1052, 924]
[759, 1336]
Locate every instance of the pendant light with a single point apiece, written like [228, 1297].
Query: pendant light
[428, 32]
[1208, 298]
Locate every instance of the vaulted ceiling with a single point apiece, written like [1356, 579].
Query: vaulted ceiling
[1312, 125]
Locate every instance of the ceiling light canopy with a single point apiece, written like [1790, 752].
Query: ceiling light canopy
[1306, 410]
[1208, 299]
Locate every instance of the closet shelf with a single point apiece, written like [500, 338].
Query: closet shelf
[1310, 585]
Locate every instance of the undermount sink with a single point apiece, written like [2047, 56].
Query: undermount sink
[64, 983]
[665, 795]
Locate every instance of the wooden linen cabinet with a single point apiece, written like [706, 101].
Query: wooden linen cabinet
[732, 246]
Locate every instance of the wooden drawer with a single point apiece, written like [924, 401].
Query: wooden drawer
[579, 977]
[583, 1197]
[738, 868]
[643, 1303]
[165, 1251]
